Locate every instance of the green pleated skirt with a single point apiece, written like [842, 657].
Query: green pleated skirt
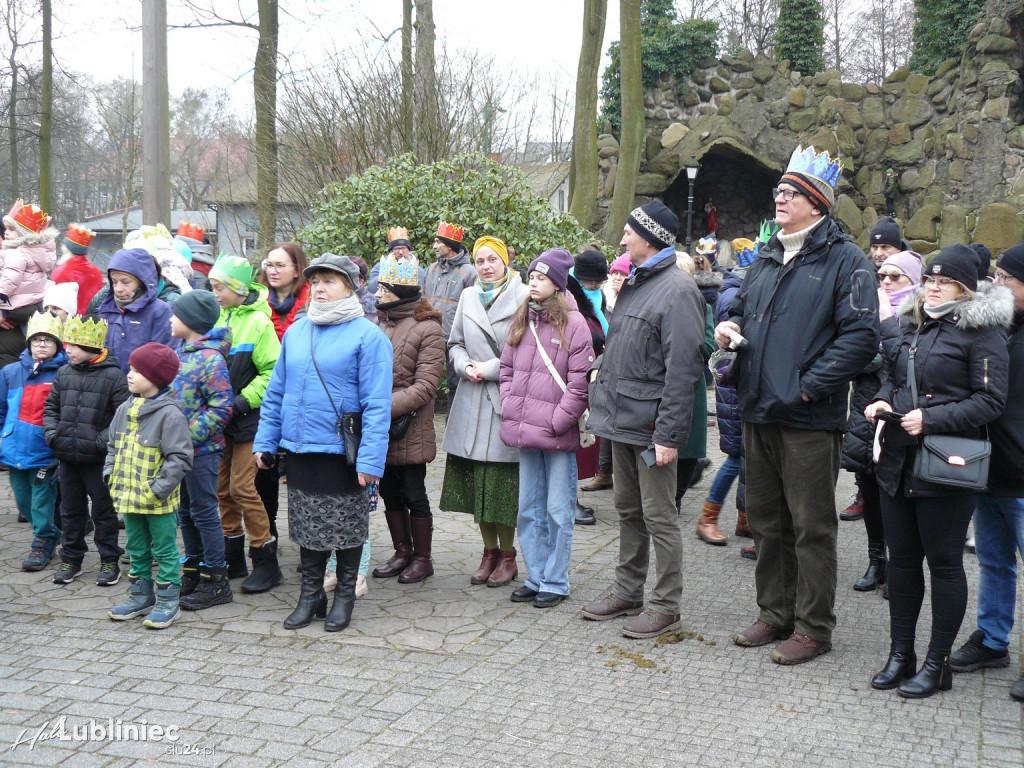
[487, 490]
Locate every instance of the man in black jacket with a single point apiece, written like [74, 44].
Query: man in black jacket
[642, 401]
[809, 311]
[999, 516]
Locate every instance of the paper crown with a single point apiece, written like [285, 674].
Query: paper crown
[820, 165]
[29, 216]
[768, 229]
[450, 231]
[85, 332]
[399, 271]
[745, 251]
[397, 233]
[44, 322]
[191, 231]
[80, 235]
[706, 245]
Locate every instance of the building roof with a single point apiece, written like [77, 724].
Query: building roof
[113, 221]
[242, 191]
[545, 178]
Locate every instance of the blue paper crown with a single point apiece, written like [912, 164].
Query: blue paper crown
[399, 271]
[820, 165]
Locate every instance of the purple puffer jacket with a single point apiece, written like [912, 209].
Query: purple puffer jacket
[535, 413]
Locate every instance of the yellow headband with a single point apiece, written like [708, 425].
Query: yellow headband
[496, 245]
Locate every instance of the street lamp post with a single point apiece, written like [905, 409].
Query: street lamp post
[691, 175]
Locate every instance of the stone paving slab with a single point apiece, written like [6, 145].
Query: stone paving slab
[444, 673]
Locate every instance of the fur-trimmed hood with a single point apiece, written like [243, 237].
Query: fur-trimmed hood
[48, 235]
[991, 307]
[708, 279]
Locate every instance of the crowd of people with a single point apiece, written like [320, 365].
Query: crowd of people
[165, 399]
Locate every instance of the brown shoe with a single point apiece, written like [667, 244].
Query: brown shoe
[486, 568]
[742, 526]
[798, 649]
[601, 481]
[505, 571]
[611, 607]
[707, 526]
[650, 624]
[759, 633]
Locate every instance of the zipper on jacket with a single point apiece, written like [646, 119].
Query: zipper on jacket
[986, 374]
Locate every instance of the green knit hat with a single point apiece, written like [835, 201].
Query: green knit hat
[234, 271]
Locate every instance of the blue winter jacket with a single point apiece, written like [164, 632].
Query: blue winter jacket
[144, 320]
[355, 359]
[23, 394]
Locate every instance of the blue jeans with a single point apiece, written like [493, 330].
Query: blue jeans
[36, 501]
[199, 515]
[547, 509]
[998, 534]
[724, 478]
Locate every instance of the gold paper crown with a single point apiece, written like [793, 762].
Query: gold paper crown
[397, 233]
[85, 332]
[44, 322]
[80, 235]
[399, 271]
[29, 216]
[450, 231]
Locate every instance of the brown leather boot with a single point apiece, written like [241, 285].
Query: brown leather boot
[742, 526]
[401, 537]
[487, 563]
[707, 526]
[599, 482]
[421, 566]
[505, 571]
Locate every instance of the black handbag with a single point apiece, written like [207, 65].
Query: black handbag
[960, 462]
[400, 425]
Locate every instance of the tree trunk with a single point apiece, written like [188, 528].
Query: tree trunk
[12, 122]
[426, 89]
[265, 94]
[46, 112]
[632, 137]
[407, 81]
[583, 169]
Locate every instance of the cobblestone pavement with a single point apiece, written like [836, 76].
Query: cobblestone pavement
[442, 673]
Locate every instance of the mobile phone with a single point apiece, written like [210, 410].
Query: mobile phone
[650, 456]
[891, 416]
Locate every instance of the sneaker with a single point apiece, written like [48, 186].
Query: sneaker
[1017, 689]
[126, 559]
[974, 654]
[66, 572]
[110, 572]
[330, 581]
[855, 511]
[361, 586]
[39, 555]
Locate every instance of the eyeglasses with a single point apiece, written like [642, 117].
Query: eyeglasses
[42, 342]
[1002, 277]
[787, 194]
[942, 282]
[893, 276]
[275, 267]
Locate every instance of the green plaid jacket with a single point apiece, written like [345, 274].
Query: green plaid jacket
[149, 452]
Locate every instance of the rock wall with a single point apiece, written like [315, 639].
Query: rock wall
[954, 140]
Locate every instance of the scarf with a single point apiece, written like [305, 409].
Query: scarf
[122, 303]
[335, 312]
[897, 296]
[489, 292]
[281, 306]
[941, 310]
[594, 297]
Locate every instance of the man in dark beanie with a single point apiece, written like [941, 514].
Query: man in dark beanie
[808, 309]
[984, 257]
[642, 401]
[999, 514]
[885, 240]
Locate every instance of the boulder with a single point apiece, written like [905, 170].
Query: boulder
[824, 139]
[898, 75]
[847, 143]
[927, 174]
[846, 210]
[718, 85]
[875, 145]
[673, 135]
[744, 81]
[607, 140]
[996, 109]
[946, 67]
[996, 44]
[607, 151]
[726, 103]
[916, 83]
[609, 182]
[797, 97]
[666, 163]
[923, 247]
[690, 98]
[650, 184]
[952, 226]
[956, 143]
[998, 227]
[852, 91]
[870, 218]
[912, 110]
[851, 117]
[899, 134]
[821, 79]
[762, 73]
[922, 224]
[873, 109]
[909, 180]
[956, 170]
[802, 119]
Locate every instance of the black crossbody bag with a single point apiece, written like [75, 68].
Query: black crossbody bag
[349, 424]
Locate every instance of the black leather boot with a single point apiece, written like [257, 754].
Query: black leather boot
[266, 573]
[399, 525]
[345, 593]
[234, 555]
[874, 576]
[901, 664]
[935, 675]
[312, 598]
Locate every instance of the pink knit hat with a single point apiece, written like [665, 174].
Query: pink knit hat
[621, 264]
[907, 262]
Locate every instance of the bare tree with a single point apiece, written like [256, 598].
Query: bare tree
[583, 172]
[120, 139]
[748, 24]
[844, 36]
[426, 111]
[887, 39]
[206, 142]
[46, 112]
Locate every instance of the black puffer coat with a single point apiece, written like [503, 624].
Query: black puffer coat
[1006, 474]
[961, 370]
[79, 409]
[860, 435]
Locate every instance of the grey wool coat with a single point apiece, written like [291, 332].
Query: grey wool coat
[478, 336]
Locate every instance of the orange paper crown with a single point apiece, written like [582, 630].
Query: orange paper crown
[450, 231]
[80, 235]
[397, 233]
[29, 216]
[191, 231]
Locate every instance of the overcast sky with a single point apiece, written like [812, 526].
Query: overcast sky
[525, 37]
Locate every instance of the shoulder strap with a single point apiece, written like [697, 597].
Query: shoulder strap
[911, 369]
[319, 376]
[546, 359]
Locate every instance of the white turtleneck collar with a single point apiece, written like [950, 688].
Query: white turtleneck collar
[792, 244]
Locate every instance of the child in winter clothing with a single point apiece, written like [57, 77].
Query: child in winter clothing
[543, 394]
[255, 347]
[74, 267]
[24, 386]
[61, 299]
[85, 395]
[148, 453]
[204, 389]
[134, 313]
[29, 254]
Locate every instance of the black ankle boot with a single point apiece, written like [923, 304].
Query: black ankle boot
[901, 664]
[935, 675]
[345, 593]
[874, 576]
[312, 598]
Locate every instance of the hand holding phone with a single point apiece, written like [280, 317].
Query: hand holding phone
[650, 456]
